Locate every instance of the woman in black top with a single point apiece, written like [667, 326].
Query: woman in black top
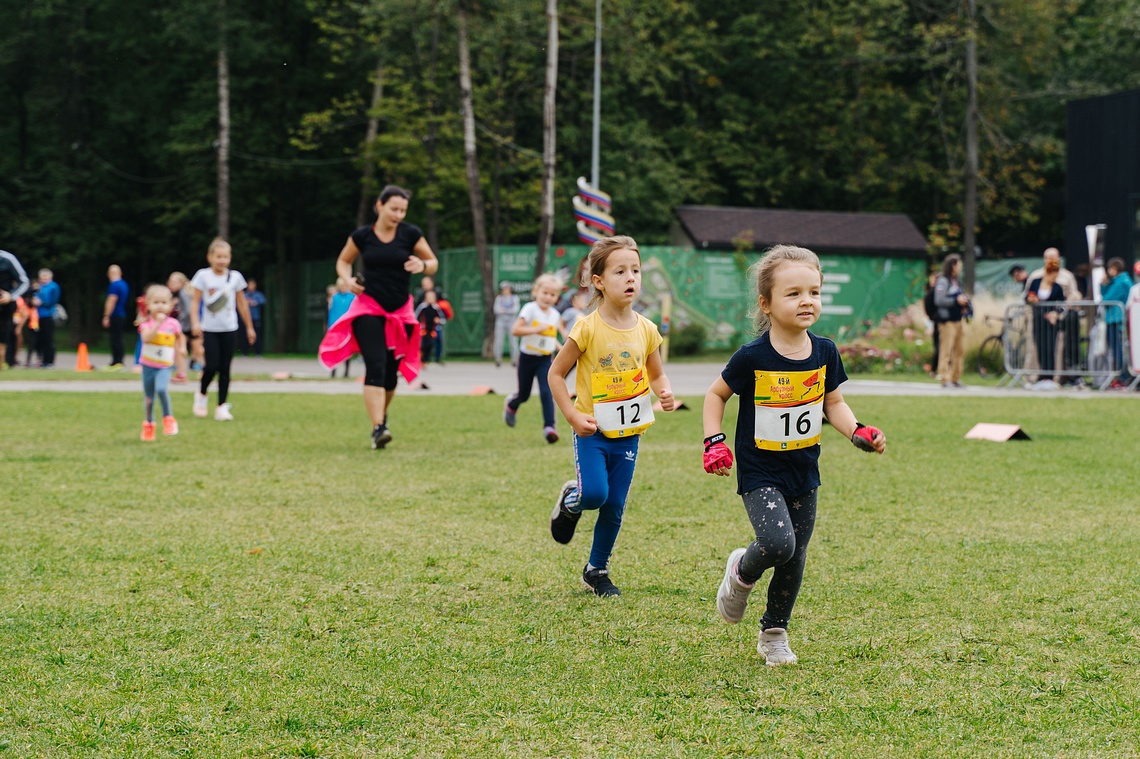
[1047, 298]
[391, 252]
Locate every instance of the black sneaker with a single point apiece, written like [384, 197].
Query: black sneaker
[598, 581]
[563, 522]
[381, 436]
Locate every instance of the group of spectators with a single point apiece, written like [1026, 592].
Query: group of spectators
[29, 313]
[1050, 291]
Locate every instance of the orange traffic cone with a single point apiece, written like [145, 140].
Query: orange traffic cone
[81, 364]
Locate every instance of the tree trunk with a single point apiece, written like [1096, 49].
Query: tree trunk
[546, 221]
[223, 127]
[367, 193]
[970, 204]
[474, 192]
[432, 141]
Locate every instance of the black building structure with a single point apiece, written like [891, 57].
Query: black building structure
[1103, 176]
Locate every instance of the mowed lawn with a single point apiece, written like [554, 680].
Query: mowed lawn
[272, 587]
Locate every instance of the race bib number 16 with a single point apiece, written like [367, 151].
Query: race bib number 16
[622, 405]
[789, 409]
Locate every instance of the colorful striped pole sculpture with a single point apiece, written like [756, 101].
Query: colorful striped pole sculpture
[592, 210]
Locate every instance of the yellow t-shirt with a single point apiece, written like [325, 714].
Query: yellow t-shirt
[606, 349]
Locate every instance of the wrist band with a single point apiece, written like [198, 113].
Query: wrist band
[711, 441]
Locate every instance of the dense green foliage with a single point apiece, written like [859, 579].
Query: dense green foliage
[106, 151]
[271, 587]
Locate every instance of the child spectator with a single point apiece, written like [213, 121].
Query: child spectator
[339, 301]
[430, 316]
[176, 283]
[576, 310]
[46, 301]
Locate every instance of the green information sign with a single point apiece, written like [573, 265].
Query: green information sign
[706, 287]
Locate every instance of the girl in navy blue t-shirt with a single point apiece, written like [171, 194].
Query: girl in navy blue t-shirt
[788, 380]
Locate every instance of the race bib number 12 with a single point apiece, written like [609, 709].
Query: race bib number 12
[622, 405]
[789, 409]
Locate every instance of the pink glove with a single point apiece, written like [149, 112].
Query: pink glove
[717, 454]
[863, 436]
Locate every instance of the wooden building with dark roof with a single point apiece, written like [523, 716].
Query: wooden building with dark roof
[825, 232]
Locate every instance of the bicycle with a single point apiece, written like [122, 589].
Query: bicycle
[995, 349]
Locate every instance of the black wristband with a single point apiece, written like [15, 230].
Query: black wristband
[711, 441]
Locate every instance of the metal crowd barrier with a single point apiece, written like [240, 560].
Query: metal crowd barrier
[1069, 343]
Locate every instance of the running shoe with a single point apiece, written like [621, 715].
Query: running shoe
[732, 596]
[169, 426]
[199, 405]
[147, 435]
[550, 434]
[381, 436]
[598, 582]
[773, 645]
[222, 413]
[509, 414]
[563, 521]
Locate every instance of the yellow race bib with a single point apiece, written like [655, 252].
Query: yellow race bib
[543, 342]
[622, 405]
[789, 409]
[160, 349]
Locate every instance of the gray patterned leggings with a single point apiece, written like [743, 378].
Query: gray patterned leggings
[782, 534]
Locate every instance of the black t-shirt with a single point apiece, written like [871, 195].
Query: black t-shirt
[792, 472]
[383, 264]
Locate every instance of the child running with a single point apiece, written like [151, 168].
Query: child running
[538, 325]
[616, 352]
[788, 380]
[220, 290]
[162, 340]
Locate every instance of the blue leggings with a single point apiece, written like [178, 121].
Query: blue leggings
[532, 368]
[604, 467]
[156, 382]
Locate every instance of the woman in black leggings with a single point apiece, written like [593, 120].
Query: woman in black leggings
[383, 324]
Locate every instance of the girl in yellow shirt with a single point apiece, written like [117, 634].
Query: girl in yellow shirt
[616, 351]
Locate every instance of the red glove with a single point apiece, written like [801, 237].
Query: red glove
[863, 436]
[717, 454]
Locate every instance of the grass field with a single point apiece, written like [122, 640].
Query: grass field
[274, 588]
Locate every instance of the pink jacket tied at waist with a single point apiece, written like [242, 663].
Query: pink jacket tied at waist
[339, 343]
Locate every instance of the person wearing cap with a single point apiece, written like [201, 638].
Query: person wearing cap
[506, 308]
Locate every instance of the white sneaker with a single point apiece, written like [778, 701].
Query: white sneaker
[199, 405]
[773, 645]
[732, 596]
[222, 413]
